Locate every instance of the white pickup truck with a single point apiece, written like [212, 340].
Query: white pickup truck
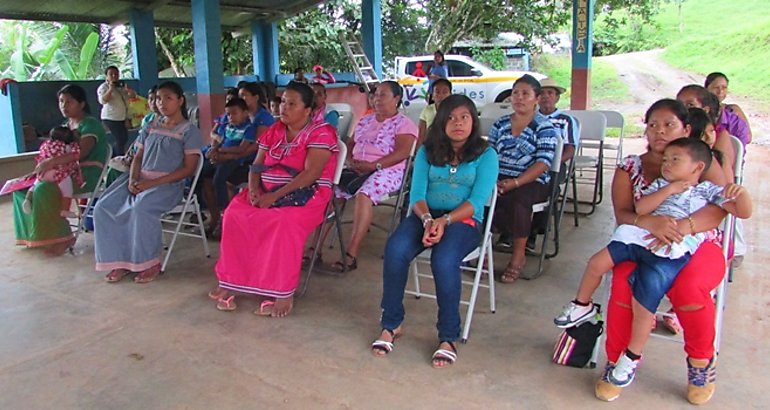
[480, 83]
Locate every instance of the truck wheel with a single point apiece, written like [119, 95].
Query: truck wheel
[504, 97]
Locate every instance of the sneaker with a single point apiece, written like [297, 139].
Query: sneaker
[701, 380]
[604, 389]
[531, 243]
[574, 314]
[623, 373]
[26, 206]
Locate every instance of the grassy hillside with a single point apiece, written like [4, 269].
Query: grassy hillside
[718, 35]
[606, 87]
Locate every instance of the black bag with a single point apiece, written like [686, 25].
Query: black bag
[576, 344]
[351, 181]
[298, 197]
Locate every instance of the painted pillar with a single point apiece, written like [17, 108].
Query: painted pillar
[209, 71]
[12, 137]
[582, 48]
[264, 49]
[371, 33]
[143, 49]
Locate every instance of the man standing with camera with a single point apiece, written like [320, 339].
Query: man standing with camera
[113, 95]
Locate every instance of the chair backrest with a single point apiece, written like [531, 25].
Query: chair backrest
[558, 150]
[346, 118]
[739, 153]
[490, 214]
[614, 119]
[341, 156]
[490, 114]
[197, 175]
[593, 124]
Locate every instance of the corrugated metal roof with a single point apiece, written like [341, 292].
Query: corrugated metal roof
[235, 14]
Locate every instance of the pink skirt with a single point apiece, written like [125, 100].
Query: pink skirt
[261, 249]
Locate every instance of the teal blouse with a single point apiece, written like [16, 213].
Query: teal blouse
[444, 190]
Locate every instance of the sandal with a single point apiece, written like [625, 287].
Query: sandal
[226, 304]
[511, 274]
[148, 275]
[306, 259]
[217, 293]
[116, 275]
[385, 346]
[447, 357]
[265, 308]
[671, 323]
[340, 266]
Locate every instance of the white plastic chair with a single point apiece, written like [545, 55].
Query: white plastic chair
[332, 214]
[84, 211]
[346, 118]
[177, 215]
[551, 207]
[490, 113]
[593, 126]
[484, 257]
[614, 120]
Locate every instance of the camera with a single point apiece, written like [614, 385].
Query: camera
[119, 84]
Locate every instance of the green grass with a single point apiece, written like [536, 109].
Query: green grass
[718, 35]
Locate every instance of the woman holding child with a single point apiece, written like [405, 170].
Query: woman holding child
[44, 226]
[265, 226]
[666, 120]
[454, 175]
[127, 217]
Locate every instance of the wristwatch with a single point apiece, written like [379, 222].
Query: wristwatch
[378, 166]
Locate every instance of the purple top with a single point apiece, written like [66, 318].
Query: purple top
[734, 125]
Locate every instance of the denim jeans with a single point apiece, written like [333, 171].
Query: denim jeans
[402, 247]
[120, 133]
[219, 173]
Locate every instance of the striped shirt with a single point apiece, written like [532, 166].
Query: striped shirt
[570, 129]
[536, 143]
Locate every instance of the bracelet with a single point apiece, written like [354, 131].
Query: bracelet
[692, 225]
[448, 219]
[426, 221]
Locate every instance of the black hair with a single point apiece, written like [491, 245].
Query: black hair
[237, 102]
[669, 104]
[78, 93]
[276, 99]
[443, 60]
[153, 90]
[298, 69]
[699, 121]
[395, 88]
[176, 89]
[305, 92]
[231, 91]
[438, 146]
[713, 76]
[63, 134]
[112, 67]
[256, 90]
[319, 85]
[443, 81]
[699, 151]
[532, 81]
[241, 84]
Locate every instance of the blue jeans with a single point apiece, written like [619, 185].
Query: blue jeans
[219, 173]
[653, 276]
[402, 247]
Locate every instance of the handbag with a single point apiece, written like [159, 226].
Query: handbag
[351, 181]
[297, 197]
[575, 345]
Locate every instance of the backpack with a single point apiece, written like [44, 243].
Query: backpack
[575, 345]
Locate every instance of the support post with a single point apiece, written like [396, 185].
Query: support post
[582, 48]
[209, 70]
[264, 48]
[143, 49]
[12, 139]
[371, 33]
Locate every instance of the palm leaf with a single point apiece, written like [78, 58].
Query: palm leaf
[87, 55]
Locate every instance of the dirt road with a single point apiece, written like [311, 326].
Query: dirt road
[650, 78]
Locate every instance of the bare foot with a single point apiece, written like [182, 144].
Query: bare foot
[282, 307]
[148, 275]
[116, 275]
[59, 248]
[218, 293]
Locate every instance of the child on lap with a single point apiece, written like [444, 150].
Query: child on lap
[678, 195]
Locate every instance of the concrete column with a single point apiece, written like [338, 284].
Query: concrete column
[145, 58]
[209, 71]
[264, 48]
[582, 48]
[371, 31]
[12, 137]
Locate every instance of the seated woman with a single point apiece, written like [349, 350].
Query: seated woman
[381, 143]
[454, 175]
[442, 88]
[265, 227]
[127, 217]
[731, 116]
[44, 226]
[321, 114]
[690, 294]
[525, 142]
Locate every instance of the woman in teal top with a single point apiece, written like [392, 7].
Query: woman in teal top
[454, 175]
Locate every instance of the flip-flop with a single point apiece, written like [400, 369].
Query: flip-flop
[448, 356]
[339, 266]
[146, 278]
[226, 305]
[265, 308]
[110, 278]
[511, 274]
[217, 294]
[380, 345]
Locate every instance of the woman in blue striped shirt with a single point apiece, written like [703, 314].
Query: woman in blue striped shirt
[454, 175]
[525, 142]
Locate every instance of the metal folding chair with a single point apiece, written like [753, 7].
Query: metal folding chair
[484, 257]
[332, 215]
[593, 125]
[346, 118]
[84, 211]
[398, 196]
[176, 217]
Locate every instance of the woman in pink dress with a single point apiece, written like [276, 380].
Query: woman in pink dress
[381, 143]
[265, 227]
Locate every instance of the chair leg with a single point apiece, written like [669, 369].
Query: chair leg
[197, 209]
[574, 198]
[491, 275]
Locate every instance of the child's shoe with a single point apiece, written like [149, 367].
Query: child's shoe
[605, 390]
[623, 373]
[701, 378]
[574, 314]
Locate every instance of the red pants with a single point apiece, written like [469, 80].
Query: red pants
[693, 286]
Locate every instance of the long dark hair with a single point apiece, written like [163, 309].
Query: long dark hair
[699, 121]
[438, 146]
[395, 88]
[713, 76]
[176, 89]
[256, 90]
[304, 91]
[670, 104]
[76, 92]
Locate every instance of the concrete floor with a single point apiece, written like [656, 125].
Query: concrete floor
[69, 340]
